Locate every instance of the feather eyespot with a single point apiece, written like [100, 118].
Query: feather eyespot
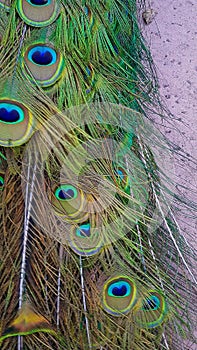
[88, 13]
[85, 240]
[42, 62]
[69, 202]
[119, 295]
[153, 310]
[38, 13]
[122, 177]
[27, 322]
[16, 121]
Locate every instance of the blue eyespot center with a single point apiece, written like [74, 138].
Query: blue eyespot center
[86, 10]
[119, 289]
[66, 192]
[42, 55]
[151, 304]
[88, 71]
[120, 174]
[119, 292]
[83, 230]
[116, 49]
[39, 2]
[42, 58]
[10, 114]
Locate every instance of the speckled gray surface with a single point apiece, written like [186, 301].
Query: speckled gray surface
[172, 37]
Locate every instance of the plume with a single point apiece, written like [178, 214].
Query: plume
[91, 253]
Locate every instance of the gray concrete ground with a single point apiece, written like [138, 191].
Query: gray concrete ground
[172, 37]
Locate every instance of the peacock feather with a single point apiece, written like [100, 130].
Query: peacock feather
[91, 254]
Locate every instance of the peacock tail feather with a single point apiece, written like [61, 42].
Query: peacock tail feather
[91, 254]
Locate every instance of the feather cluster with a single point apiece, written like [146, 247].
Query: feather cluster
[91, 254]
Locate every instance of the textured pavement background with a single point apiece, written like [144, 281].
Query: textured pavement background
[172, 37]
